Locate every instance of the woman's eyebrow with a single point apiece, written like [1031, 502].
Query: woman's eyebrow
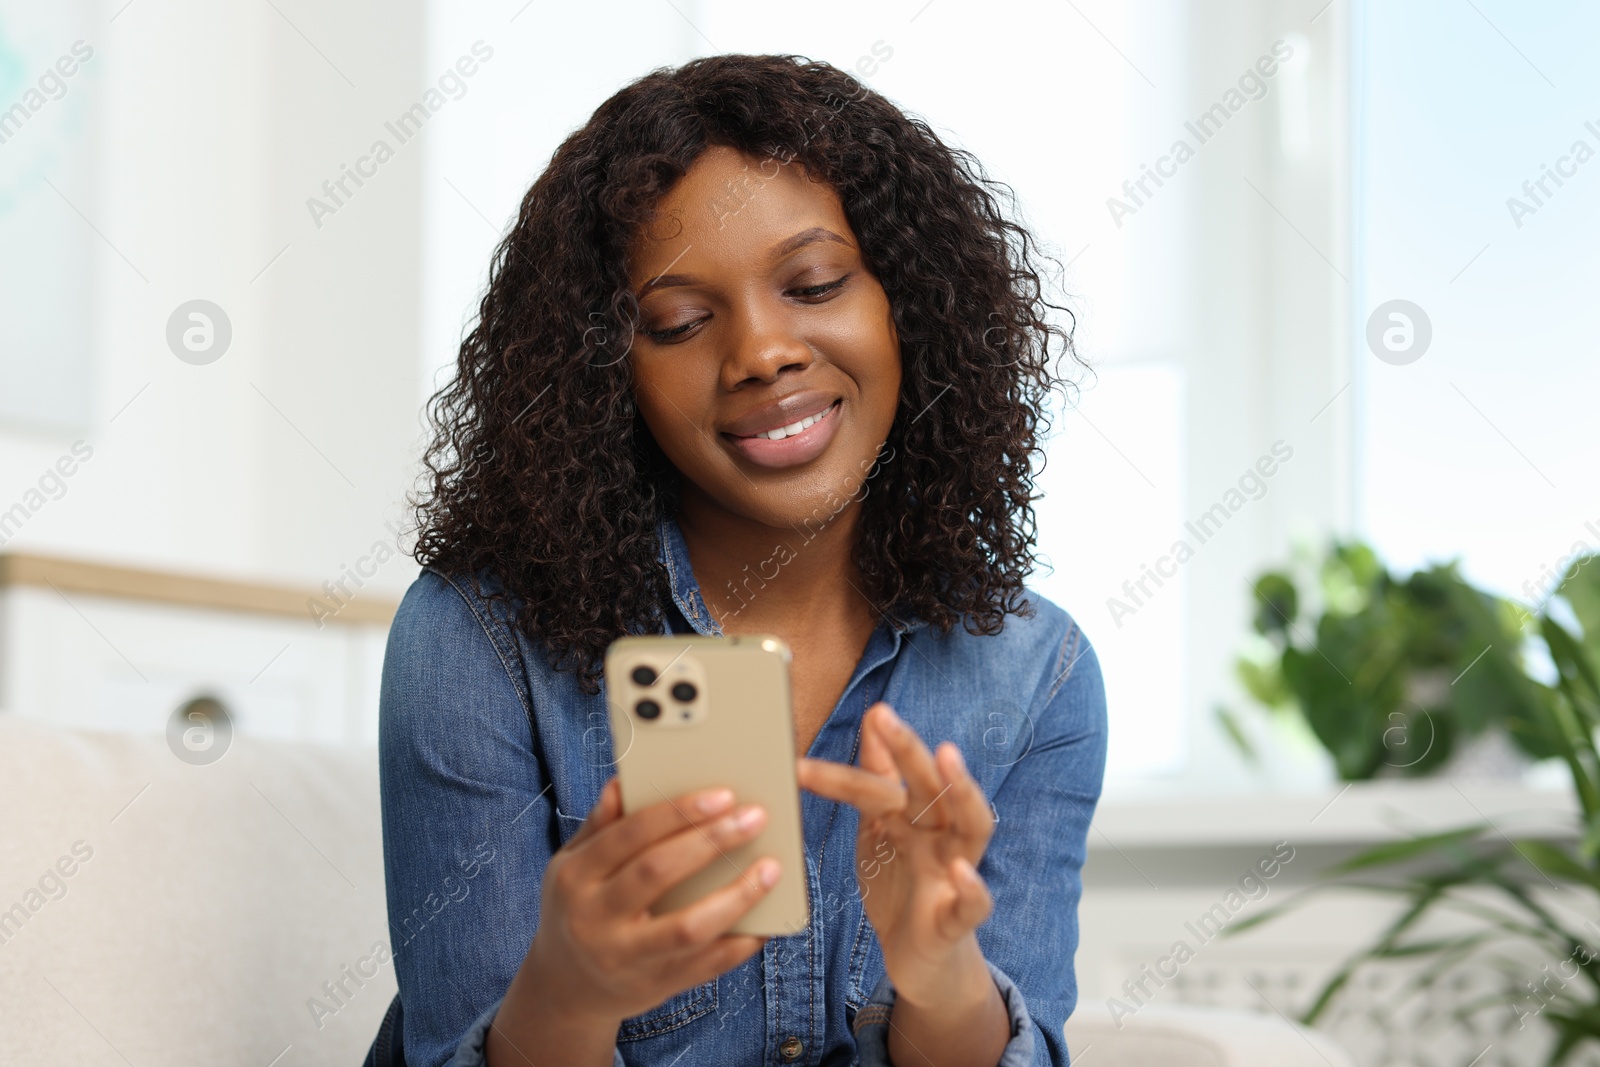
[803, 238]
[788, 246]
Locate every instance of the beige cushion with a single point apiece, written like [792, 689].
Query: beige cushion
[1183, 1036]
[213, 904]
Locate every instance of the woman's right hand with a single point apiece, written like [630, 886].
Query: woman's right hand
[598, 945]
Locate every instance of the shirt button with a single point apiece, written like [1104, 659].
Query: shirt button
[791, 1048]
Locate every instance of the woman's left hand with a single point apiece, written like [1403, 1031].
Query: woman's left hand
[917, 853]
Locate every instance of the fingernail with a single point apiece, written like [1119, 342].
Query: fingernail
[768, 874]
[715, 800]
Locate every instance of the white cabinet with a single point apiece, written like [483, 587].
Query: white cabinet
[122, 649]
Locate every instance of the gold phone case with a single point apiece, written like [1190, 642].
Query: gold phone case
[737, 730]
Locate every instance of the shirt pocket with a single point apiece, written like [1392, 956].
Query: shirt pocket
[677, 1010]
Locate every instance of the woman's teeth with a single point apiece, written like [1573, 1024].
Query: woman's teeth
[796, 427]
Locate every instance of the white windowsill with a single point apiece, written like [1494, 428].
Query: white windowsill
[1356, 813]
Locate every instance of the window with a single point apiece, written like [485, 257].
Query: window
[1478, 197]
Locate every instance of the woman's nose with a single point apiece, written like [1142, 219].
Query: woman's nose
[761, 350]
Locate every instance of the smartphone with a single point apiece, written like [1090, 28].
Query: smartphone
[694, 712]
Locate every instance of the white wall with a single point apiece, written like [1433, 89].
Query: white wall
[191, 141]
[1215, 328]
[1209, 328]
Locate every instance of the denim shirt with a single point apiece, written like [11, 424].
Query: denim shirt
[490, 761]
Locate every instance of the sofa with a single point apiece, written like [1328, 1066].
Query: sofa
[160, 911]
[157, 909]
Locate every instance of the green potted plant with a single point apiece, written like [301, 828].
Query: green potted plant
[1391, 675]
[1500, 886]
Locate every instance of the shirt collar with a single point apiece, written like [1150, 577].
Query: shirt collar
[674, 555]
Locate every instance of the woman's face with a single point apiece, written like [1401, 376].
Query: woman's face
[767, 363]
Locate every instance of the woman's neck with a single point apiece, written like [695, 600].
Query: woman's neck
[760, 578]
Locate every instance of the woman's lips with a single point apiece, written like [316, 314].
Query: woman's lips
[793, 450]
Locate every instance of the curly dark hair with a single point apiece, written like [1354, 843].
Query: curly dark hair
[542, 471]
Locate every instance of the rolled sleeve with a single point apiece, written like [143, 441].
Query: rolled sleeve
[470, 1052]
[872, 1024]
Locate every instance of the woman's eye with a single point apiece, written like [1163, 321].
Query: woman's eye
[821, 290]
[667, 335]
[810, 292]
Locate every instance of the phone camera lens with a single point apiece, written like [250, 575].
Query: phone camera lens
[647, 709]
[644, 676]
[684, 692]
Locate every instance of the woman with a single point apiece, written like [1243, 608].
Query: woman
[759, 356]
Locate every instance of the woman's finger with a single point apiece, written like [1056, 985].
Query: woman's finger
[637, 884]
[698, 925]
[973, 903]
[923, 784]
[971, 817]
[875, 754]
[723, 954]
[872, 793]
[620, 838]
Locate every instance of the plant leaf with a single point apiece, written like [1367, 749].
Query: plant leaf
[1581, 586]
[1231, 726]
[1557, 863]
[1396, 851]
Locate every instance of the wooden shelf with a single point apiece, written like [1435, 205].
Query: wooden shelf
[190, 590]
